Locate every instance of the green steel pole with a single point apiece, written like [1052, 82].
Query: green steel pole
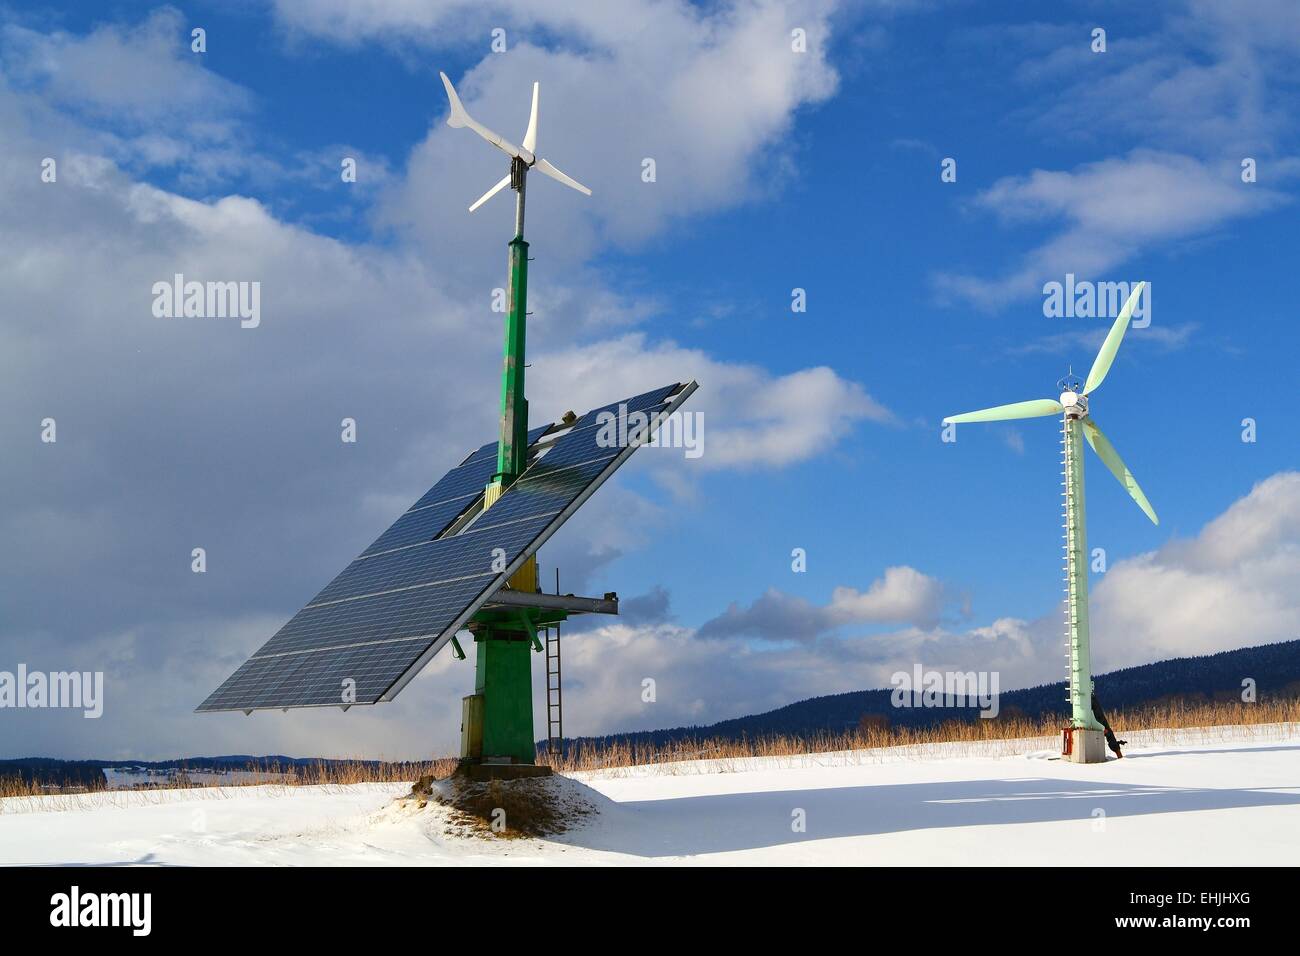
[1076, 550]
[503, 666]
[512, 447]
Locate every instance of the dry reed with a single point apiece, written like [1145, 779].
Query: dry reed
[1143, 726]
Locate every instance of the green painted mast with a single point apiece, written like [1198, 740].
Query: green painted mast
[1076, 571]
[512, 447]
[503, 674]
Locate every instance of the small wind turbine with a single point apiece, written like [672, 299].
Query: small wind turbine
[512, 450]
[1077, 425]
[502, 672]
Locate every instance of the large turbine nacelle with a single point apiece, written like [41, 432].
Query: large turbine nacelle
[1074, 403]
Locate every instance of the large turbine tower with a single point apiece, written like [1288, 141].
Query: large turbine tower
[1077, 426]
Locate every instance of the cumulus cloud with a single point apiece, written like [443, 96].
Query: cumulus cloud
[751, 417]
[143, 74]
[136, 94]
[901, 595]
[1235, 584]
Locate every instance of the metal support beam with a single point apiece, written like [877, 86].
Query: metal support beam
[555, 602]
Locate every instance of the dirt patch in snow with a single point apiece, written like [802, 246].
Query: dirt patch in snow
[507, 809]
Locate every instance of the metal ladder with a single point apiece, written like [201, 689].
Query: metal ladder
[554, 696]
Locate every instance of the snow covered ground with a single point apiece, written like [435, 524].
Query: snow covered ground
[1224, 795]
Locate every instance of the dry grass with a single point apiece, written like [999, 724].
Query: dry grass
[875, 734]
[506, 809]
[17, 787]
[349, 772]
[318, 774]
[1144, 726]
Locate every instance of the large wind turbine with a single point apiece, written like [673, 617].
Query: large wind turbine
[1077, 425]
[512, 450]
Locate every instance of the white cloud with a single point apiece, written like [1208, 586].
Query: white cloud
[752, 418]
[1086, 342]
[1235, 584]
[1212, 78]
[142, 75]
[902, 595]
[138, 95]
[1112, 210]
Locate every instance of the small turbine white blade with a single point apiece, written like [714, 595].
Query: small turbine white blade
[1101, 365]
[505, 181]
[530, 137]
[459, 117]
[544, 167]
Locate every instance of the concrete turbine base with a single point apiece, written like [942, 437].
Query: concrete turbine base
[1087, 746]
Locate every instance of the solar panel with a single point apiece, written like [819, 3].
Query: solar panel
[388, 612]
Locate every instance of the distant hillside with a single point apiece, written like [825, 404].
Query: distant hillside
[1274, 667]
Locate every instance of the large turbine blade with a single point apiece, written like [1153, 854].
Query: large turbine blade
[459, 117]
[1036, 409]
[530, 137]
[1107, 453]
[1101, 365]
[544, 167]
[505, 181]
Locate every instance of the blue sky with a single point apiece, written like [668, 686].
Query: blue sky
[775, 170]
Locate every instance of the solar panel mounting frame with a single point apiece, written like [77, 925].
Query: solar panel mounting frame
[674, 403]
[674, 400]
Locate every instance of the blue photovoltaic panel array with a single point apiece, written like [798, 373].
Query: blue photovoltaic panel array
[410, 590]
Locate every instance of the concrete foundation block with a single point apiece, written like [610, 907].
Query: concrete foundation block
[1087, 746]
